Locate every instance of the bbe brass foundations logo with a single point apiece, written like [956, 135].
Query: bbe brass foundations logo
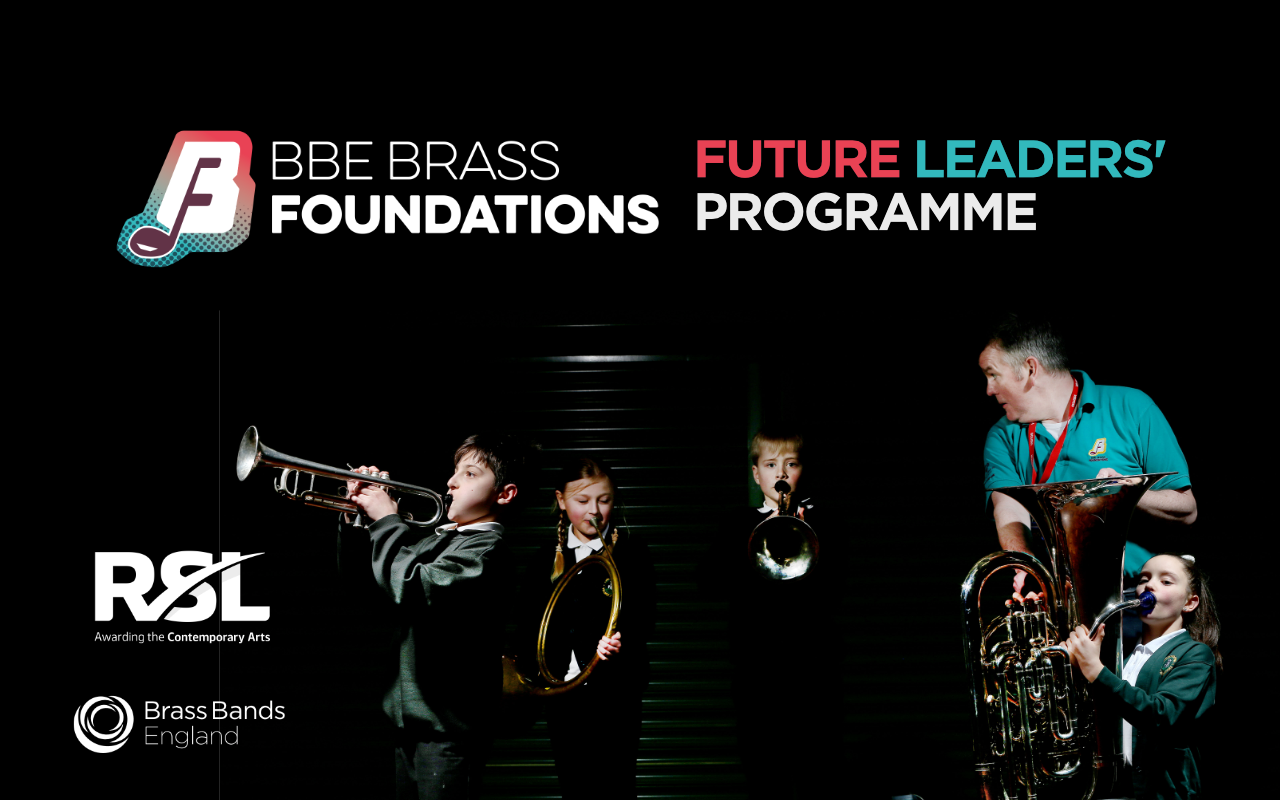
[103, 724]
[202, 201]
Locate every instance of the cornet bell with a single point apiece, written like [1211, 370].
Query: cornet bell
[783, 547]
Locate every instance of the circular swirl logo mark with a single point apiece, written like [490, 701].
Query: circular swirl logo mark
[112, 739]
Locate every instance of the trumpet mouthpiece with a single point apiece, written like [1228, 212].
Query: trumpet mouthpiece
[1146, 602]
[782, 486]
[595, 522]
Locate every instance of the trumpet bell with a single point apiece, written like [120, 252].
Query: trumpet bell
[783, 548]
[249, 453]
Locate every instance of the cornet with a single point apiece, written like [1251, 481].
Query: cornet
[253, 453]
[783, 547]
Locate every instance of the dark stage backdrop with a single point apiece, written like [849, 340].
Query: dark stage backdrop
[672, 425]
[904, 469]
[659, 352]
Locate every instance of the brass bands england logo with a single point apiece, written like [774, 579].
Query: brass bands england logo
[116, 723]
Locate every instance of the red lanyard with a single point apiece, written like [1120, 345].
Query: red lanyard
[1057, 448]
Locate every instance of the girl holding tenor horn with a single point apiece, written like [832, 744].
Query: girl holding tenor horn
[595, 728]
[1168, 682]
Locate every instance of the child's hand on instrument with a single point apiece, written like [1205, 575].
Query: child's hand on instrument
[609, 647]
[372, 498]
[1086, 653]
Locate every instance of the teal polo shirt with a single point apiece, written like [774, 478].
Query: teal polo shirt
[1113, 427]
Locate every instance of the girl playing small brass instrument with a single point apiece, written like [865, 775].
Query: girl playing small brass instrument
[1168, 682]
[595, 728]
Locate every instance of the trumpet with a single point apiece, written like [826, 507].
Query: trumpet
[517, 682]
[254, 453]
[783, 547]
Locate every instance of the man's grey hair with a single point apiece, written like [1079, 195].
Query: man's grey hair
[1021, 338]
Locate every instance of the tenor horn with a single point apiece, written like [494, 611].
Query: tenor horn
[783, 547]
[538, 680]
[1035, 726]
[253, 454]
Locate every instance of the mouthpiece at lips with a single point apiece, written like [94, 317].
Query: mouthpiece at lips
[1147, 601]
[782, 486]
[448, 501]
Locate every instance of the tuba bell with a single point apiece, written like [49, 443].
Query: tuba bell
[1035, 726]
[521, 681]
[783, 547]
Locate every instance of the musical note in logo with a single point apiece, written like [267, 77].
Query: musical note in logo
[151, 242]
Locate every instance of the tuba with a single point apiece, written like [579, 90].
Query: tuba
[537, 680]
[783, 547]
[1035, 726]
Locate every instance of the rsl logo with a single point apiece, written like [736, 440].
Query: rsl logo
[106, 589]
[104, 732]
[202, 201]
[1099, 450]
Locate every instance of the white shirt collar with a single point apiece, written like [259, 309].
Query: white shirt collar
[766, 508]
[1155, 644]
[475, 526]
[596, 544]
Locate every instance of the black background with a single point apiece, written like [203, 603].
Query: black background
[336, 345]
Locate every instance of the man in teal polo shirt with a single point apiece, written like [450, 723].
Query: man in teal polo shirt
[1108, 430]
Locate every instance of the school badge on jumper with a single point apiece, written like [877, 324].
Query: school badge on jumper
[1099, 450]
[1169, 661]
